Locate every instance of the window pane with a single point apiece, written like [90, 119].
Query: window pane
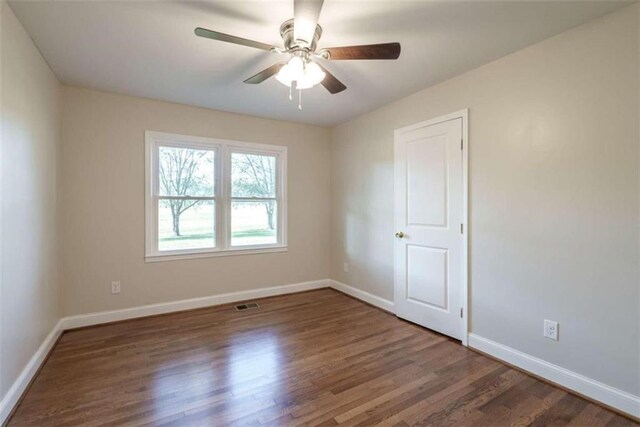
[253, 175]
[253, 223]
[186, 172]
[186, 224]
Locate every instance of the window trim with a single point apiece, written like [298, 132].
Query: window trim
[223, 150]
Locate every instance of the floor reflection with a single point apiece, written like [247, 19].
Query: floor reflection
[254, 357]
[240, 371]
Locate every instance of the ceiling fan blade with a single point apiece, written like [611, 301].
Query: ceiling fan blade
[265, 74]
[330, 82]
[203, 32]
[305, 19]
[367, 51]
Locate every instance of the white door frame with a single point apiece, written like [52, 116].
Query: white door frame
[464, 115]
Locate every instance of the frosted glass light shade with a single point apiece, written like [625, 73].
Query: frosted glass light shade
[305, 75]
[284, 76]
[313, 75]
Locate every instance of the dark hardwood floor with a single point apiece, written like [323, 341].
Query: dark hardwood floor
[314, 358]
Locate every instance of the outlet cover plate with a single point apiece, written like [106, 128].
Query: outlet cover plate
[551, 329]
[115, 287]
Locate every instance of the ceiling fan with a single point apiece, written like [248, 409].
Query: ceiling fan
[300, 36]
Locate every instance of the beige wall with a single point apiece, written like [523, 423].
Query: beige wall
[30, 303]
[102, 204]
[554, 196]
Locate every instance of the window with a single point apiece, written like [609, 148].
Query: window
[210, 197]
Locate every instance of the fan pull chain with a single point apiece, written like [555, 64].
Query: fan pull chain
[299, 99]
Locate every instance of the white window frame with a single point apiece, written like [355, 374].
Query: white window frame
[223, 150]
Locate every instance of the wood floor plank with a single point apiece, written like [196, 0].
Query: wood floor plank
[317, 358]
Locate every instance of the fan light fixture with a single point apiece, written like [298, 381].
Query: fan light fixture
[300, 73]
[305, 74]
[300, 37]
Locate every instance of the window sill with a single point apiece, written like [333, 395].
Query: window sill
[212, 254]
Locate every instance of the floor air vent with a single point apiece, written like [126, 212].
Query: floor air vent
[242, 307]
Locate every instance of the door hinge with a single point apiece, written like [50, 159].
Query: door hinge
[462, 144]
[461, 228]
[461, 312]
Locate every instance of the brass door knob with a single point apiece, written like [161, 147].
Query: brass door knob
[399, 234]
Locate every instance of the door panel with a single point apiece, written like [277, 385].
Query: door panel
[427, 275]
[429, 213]
[427, 182]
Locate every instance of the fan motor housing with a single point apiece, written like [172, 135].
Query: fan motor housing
[290, 43]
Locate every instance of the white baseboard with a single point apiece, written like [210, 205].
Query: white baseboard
[382, 303]
[621, 400]
[21, 383]
[81, 320]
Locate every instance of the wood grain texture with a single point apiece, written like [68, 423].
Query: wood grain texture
[331, 82]
[315, 358]
[367, 51]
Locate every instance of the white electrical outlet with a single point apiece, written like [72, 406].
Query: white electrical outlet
[115, 287]
[346, 267]
[551, 329]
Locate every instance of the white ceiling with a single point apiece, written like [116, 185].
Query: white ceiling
[148, 49]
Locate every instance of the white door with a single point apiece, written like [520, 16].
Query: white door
[429, 243]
